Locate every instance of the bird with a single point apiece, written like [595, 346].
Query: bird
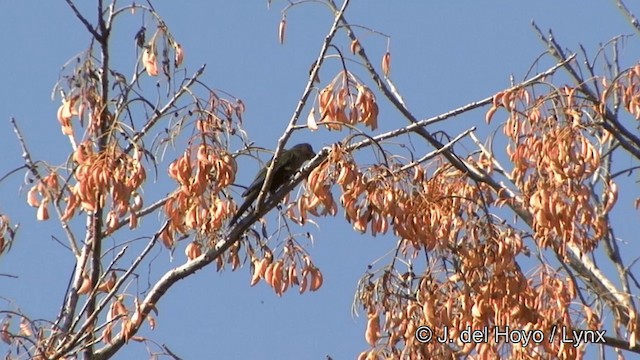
[287, 164]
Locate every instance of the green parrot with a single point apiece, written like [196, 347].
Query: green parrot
[286, 166]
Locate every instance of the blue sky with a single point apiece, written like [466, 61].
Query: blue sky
[445, 54]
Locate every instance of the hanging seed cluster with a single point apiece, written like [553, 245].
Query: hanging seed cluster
[106, 174]
[481, 290]
[84, 102]
[626, 87]
[293, 269]
[553, 159]
[127, 318]
[203, 173]
[421, 211]
[107, 179]
[196, 205]
[346, 100]
[555, 153]
[445, 215]
[161, 41]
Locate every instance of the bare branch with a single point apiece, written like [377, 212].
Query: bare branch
[103, 303]
[158, 114]
[633, 20]
[84, 21]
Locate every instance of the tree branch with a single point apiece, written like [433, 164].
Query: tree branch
[84, 21]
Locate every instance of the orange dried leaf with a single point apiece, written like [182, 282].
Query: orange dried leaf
[293, 277]
[152, 322]
[311, 120]
[355, 46]
[5, 335]
[179, 55]
[268, 274]
[316, 279]
[133, 221]
[277, 277]
[490, 114]
[373, 329]
[25, 329]
[167, 238]
[193, 250]
[325, 102]
[32, 198]
[108, 285]
[149, 61]
[260, 266]
[497, 99]
[304, 283]
[43, 211]
[85, 287]
[107, 333]
[386, 64]
[119, 308]
[281, 29]
[612, 197]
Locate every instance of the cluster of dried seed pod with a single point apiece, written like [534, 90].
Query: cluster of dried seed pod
[66, 112]
[554, 158]
[110, 174]
[483, 293]
[627, 87]
[84, 102]
[128, 319]
[42, 193]
[507, 100]
[282, 274]
[380, 194]
[193, 250]
[345, 101]
[216, 120]
[105, 286]
[338, 168]
[319, 199]
[196, 205]
[150, 52]
[27, 329]
[419, 210]
[231, 256]
[443, 213]
[211, 167]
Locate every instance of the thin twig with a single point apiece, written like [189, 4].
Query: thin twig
[140, 214]
[629, 15]
[626, 138]
[84, 20]
[160, 113]
[436, 152]
[91, 317]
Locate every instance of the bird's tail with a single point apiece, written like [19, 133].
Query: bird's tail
[245, 205]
